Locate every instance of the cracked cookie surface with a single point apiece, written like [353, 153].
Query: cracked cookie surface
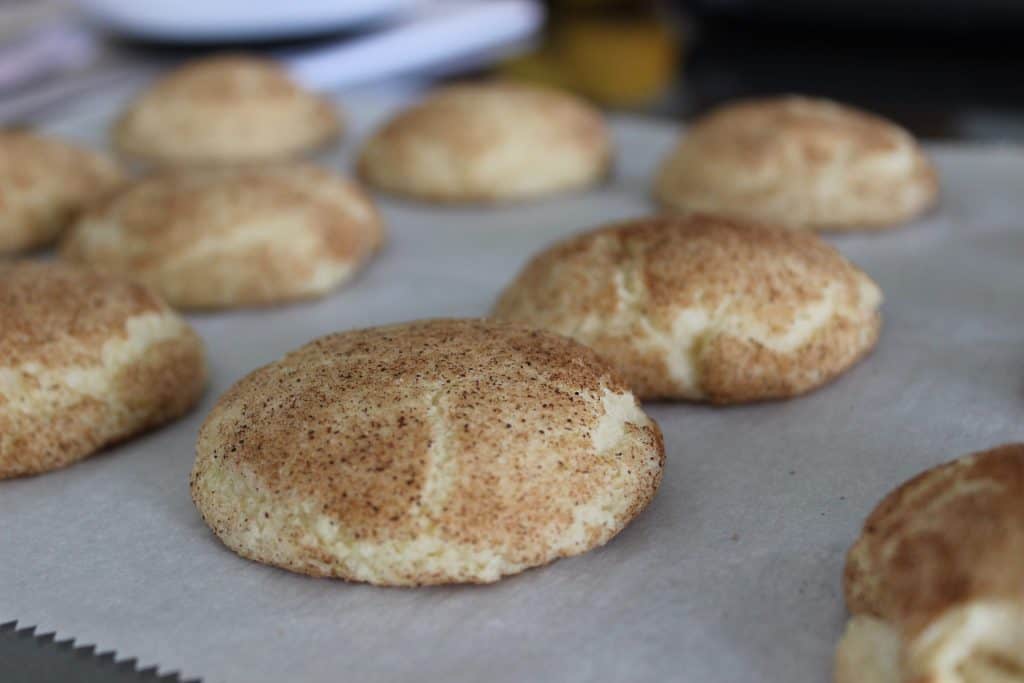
[702, 307]
[431, 452]
[934, 580]
[800, 162]
[86, 360]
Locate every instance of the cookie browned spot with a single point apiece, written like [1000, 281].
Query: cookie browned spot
[703, 307]
[86, 360]
[44, 184]
[225, 110]
[430, 452]
[936, 580]
[488, 142]
[218, 238]
[801, 163]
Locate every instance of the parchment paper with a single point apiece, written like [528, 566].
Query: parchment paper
[732, 574]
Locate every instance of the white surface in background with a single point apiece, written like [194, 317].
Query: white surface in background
[438, 35]
[438, 38]
[209, 20]
[732, 574]
[44, 50]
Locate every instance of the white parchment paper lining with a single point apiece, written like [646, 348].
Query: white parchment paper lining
[732, 574]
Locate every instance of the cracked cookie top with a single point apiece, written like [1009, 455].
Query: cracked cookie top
[223, 238]
[86, 359]
[934, 580]
[801, 162]
[427, 452]
[703, 307]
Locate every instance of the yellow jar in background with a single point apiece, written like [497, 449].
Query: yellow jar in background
[616, 54]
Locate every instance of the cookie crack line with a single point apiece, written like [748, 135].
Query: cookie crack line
[518, 447]
[438, 477]
[682, 364]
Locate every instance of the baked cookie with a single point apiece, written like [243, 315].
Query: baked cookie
[936, 580]
[221, 238]
[702, 307]
[431, 452]
[801, 163]
[44, 183]
[86, 360]
[488, 142]
[225, 110]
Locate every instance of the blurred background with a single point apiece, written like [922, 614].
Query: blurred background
[946, 69]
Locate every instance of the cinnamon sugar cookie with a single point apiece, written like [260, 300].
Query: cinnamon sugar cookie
[222, 238]
[44, 184]
[440, 451]
[488, 142]
[936, 580]
[228, 109]
[86, 360]
[801, 163]
[702, 307]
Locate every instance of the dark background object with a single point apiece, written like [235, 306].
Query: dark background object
[944, 68]
[28, 657]
[959, 14]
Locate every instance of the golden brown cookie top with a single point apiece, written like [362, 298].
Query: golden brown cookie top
[226, 109]
[29, 161]
[760, 129]
[57, 315]
[488, 141]
[484, 429]
[800, 162]
[177, 216]
[472, 118]
[950, 536]
[44, 183]
[754, 280]
[228, 79]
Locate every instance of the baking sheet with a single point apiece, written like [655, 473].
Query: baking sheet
[732, 574]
